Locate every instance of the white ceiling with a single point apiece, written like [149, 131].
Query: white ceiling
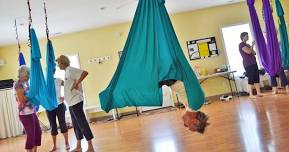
[66, 16]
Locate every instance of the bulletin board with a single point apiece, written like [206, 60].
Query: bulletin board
[202, 48]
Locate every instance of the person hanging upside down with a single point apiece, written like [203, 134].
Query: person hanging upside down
[194, 120]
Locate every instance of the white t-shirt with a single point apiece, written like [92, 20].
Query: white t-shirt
[58, 89]
[72, 97]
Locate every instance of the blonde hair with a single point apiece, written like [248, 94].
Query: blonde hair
[23, 71]
[62, 59]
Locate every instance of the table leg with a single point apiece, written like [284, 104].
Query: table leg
[136, 111]
[237, 92]
[230, 85]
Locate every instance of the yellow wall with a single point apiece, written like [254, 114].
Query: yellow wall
[103, 41]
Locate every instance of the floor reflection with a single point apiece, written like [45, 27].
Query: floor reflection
[250, 129]
[271, 145]
[164, 145]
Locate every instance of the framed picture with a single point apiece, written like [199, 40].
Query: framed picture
[202, 48]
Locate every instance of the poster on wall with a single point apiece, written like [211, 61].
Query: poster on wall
[202, 48]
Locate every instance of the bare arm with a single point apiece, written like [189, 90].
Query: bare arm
[82, 77]
[20, 96]
[249, 50]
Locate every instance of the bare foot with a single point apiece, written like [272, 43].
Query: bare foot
[90, 150]
[53, 149]
[287, 89]
[76, 150]
[260, 95]
[274, 92]
[252, 97]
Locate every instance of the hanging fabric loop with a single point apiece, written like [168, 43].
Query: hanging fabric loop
[38, 93]
[152, 54]
[283, 35]
[21, 59]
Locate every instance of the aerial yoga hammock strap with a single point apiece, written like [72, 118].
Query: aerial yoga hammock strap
[283, 35]
[38, 93]
[151, 54]
[21, 58]
[273, 47]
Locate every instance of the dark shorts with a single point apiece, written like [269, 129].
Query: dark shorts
[283, 78]
[252, 72]
[59, 112]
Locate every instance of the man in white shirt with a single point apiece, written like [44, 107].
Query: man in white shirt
[73, 96]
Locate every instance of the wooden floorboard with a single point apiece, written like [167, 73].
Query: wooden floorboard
[241, 125]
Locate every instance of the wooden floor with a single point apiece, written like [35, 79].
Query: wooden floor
[239, 125]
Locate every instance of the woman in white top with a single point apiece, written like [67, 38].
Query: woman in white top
[73, 96]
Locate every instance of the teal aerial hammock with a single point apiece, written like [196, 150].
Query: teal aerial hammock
[51, 65]
[283, 35]
[151, 54]
[38, 93]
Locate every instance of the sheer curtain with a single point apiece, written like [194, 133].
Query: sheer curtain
[10, 124]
